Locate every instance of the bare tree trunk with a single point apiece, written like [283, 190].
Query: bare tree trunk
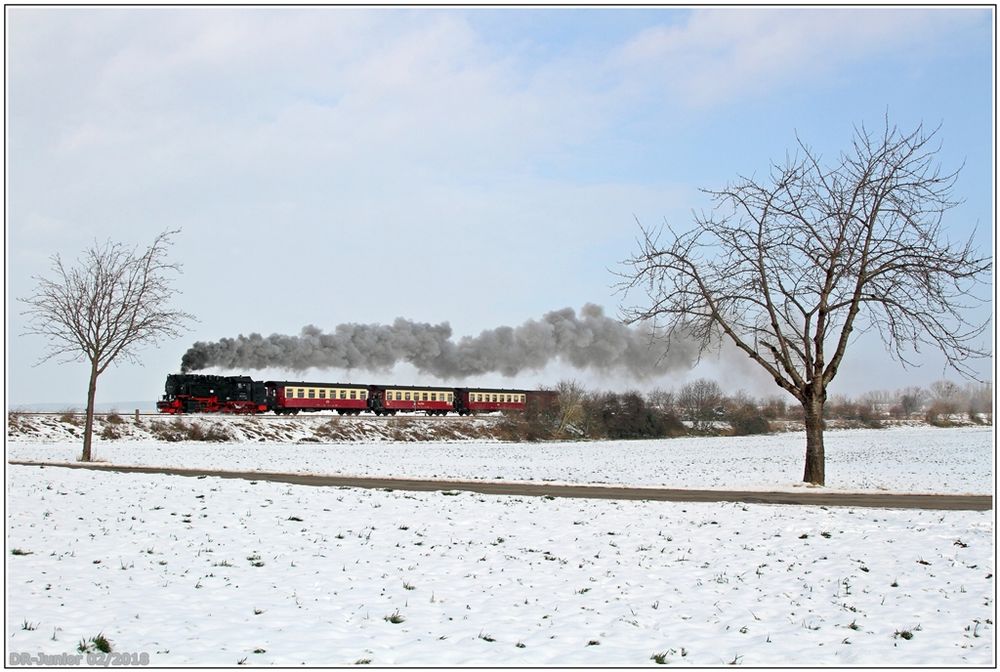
[815, 471]
[88, 428]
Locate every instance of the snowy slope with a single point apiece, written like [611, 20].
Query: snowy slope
[211, 571]
[215, 572]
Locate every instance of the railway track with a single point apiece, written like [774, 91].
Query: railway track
[323, 415]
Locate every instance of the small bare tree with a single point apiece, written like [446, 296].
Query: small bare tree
[699, 399]
[112, 302]
[911, 400]
[790, 268]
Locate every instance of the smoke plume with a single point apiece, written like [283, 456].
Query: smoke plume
[589, 340]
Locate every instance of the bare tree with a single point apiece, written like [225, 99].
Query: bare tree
[790, 268]
[570, 406]
[980, 398]
[699, 399]
[947, 395]
[661, 399]
[911, 399]
[112, 302]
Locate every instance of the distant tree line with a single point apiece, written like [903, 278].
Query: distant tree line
[701, 407]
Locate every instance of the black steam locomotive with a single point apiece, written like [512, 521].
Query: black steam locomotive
[193, 393]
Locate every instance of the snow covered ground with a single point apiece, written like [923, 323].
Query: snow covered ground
[905, 459]
[208, 571]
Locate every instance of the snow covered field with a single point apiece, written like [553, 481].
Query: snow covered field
[210, 571]
[906, 459]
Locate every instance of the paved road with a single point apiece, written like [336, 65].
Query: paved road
[806, 497]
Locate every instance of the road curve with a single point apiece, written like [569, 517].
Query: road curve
[804, 498]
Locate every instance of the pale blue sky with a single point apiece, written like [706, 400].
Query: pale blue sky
[477, 166]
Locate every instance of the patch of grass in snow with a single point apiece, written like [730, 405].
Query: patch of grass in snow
[97, 643]
[661, 658]
[19, 551]
[363, 661]
[395, 617]
[29, 626]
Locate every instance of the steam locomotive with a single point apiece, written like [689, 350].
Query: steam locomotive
[195, 393]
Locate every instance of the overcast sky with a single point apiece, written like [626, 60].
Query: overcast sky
[479, 167]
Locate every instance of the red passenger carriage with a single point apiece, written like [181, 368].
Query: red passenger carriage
[484, 400]
[390, 399]
[286, 397]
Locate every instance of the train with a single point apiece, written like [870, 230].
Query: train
[198, 393]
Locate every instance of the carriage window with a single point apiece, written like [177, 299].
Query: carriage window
[322, 394]
[312, 393]
[494, 397]
[423, 396]
[364, 394]
[407, 396]
[300, 393]
[354, 394]
[450, 397]
[434, 396]
[343, 394]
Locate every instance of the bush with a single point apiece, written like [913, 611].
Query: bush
[938, 415]
[747, 420]
[111, 432]
[178, 430]
[69, 418]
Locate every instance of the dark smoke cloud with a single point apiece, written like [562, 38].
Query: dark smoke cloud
[589, 340]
